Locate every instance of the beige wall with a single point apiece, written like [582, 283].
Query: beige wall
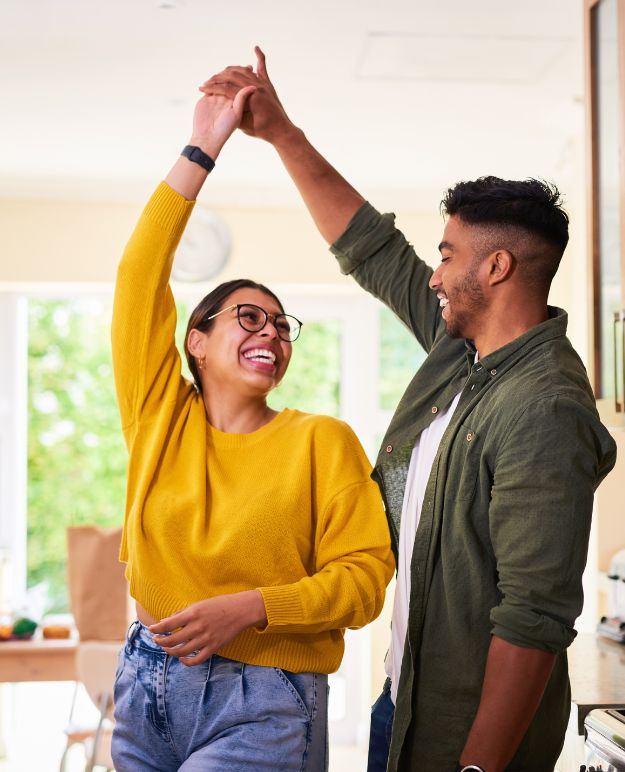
[81, 241]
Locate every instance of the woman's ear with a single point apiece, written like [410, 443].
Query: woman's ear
[195, 340]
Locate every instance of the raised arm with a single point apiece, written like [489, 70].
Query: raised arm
[366, 244]
[330, 199]
[146, 362]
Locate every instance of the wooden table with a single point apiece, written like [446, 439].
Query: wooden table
[38, 660]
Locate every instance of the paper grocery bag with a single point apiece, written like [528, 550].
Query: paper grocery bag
[98, 590]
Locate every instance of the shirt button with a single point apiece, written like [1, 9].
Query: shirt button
[389, 448]
[493, 371]
[434, 409]
[470, 436]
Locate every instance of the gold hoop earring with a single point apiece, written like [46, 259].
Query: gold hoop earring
[201, 362]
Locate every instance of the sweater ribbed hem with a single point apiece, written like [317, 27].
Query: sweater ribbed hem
[320, 653]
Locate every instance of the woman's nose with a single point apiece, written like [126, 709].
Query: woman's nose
[269, 330]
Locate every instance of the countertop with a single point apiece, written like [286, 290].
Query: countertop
[597, 674]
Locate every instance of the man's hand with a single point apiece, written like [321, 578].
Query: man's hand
[208, 625]
[264, 116]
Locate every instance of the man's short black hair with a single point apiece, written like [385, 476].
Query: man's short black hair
[531, 207]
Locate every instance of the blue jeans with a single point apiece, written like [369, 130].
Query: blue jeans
[382, 714]
[219, 715]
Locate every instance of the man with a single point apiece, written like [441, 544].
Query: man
[488, 468]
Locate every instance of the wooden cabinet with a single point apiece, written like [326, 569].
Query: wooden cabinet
[605, 81]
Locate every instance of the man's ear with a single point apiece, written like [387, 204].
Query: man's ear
[501, 266]
[195, 339]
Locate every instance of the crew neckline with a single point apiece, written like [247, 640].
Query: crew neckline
[238, 439]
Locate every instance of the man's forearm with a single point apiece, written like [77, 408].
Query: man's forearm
[514, 683]
[330, 199]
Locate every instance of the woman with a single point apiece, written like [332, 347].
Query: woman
[252, 538]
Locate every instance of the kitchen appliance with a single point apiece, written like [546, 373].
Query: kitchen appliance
[613, 625]
[605, 741]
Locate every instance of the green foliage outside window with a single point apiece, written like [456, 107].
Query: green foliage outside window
[400, 357]
[76, 455]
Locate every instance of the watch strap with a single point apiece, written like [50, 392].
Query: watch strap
[198, 156]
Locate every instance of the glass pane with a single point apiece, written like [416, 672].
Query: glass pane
[312, 382]
[400, 358]
[76, 454]
[607, 170]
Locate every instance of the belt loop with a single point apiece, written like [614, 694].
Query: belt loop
[133, 631]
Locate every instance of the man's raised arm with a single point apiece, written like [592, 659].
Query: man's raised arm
[330, 199]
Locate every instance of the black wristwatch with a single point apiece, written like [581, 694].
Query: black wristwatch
[198, 156]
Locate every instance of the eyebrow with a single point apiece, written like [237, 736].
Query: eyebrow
[445, 245]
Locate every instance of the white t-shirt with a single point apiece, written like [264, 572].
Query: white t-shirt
[421, 461]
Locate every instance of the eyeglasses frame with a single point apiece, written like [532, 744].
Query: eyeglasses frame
[268, 317]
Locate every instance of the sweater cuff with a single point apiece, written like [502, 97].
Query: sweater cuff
[168, 208]
[283, 606]
[367, 232]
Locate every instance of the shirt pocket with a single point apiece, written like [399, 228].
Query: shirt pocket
[466, 455]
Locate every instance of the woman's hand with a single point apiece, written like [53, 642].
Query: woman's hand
[216, 117]
[208, 625]
[263, 116]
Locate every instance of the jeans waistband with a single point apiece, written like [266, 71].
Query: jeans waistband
[138, 632]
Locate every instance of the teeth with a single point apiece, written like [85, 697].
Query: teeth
[443, 302]
[260, 355]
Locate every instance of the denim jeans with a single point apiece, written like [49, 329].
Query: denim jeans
[219, 715]
[382, 714]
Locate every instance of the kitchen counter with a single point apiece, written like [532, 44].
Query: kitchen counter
[597, 674]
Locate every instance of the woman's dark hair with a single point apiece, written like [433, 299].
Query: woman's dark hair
[211, 304]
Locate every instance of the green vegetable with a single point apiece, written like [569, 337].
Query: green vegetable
[24, 626]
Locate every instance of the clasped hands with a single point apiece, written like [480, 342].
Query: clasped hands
[263, 115]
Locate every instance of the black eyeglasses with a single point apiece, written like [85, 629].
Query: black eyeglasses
[254, 318]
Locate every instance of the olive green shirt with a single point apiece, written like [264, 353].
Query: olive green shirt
[502, 540]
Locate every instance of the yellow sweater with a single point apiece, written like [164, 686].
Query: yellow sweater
[288, 509]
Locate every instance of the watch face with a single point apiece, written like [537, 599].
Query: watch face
[204, 248]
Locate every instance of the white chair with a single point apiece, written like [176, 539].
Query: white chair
[96, 663]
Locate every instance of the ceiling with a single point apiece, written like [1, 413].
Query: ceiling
[404, 97]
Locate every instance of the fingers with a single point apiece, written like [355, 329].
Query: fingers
[241, 98]
[174, 639]
[261, 63]
[181, 649]
[201, 656]
[168, 624]
[242, 76]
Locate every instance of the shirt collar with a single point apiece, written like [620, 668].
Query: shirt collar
[554, 327]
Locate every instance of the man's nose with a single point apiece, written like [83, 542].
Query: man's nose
[435, 279]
